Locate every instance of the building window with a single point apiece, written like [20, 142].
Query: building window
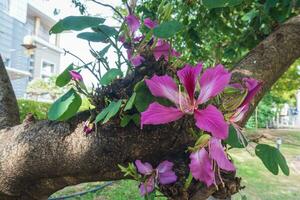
[48, 69]
[4, 5]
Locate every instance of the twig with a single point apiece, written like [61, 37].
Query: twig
[107, 5]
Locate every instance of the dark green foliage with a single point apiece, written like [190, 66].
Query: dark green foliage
[223, 30]
[76, 23]
[272, 158]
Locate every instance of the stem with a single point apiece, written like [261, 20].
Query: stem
[188, 181]
[107, 5]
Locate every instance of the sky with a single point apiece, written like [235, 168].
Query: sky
[79, 47]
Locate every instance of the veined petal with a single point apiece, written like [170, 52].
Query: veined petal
[164, 166]
[250, 83]
[144, 168]
[212, 120]
[133, 23]
[253, 87]
[167, 177]
[162, 48]
[188, 77]
[201, 167]
[147, 187]
[150, 23]
[239, 113]
[158, 114]
[163, 86]
[137, 60]
[217, 153]
[212, 82]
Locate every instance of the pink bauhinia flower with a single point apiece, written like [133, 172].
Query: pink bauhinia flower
[253, 86]
[163, 48]
[212, 82]
[75, 75]
[163, 174]
[133, 23]
[203, 162]
[150, 23]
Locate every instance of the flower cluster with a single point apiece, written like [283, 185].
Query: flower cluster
[163, 175]
[192, 93]
[211, 156]
[160, 49]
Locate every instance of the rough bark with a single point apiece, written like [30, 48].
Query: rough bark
[9, 111]
[39, 158]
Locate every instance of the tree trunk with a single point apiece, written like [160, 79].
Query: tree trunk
[9, 111]
[39, 158]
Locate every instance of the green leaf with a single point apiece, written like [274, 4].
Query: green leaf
[233, 139]
[167, 29]
[250, 15]
[93, 37]
[136, 119]
[108, 112]
[125, 120]
[65, 107]
[143, 96]
[210, 4]
[76, 23]
[113, 110]
[130, 102]
[104, 51]
[101, 115]
[65, 77]
[110, 75]
[107, 30]
[271, 158]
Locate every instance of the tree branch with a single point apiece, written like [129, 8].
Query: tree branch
[40, 158]
[9, 112]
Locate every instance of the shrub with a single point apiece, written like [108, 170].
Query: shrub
[39, 109]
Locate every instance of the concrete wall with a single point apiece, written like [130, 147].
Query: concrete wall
[48, 55]
[12, 32]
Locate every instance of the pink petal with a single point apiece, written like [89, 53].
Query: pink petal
[188, 77]
[239, 113]
[163, 49]
[75, 75]
[149, 23]
[147, 187]
[137, 60]
[250, 83]
[167, 177]
[253, 87]
[201, 167]
[212, 82]
[138, 38]
[163, 86]
[158, 114]
[133, 23]
[211, 120]
[144, 168]
[164, 166]
[216, 152]
[122, 38]
[129, 53]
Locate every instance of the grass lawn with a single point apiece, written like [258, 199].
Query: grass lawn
[260, 183]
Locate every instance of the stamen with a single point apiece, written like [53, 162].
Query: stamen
[219, 174]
